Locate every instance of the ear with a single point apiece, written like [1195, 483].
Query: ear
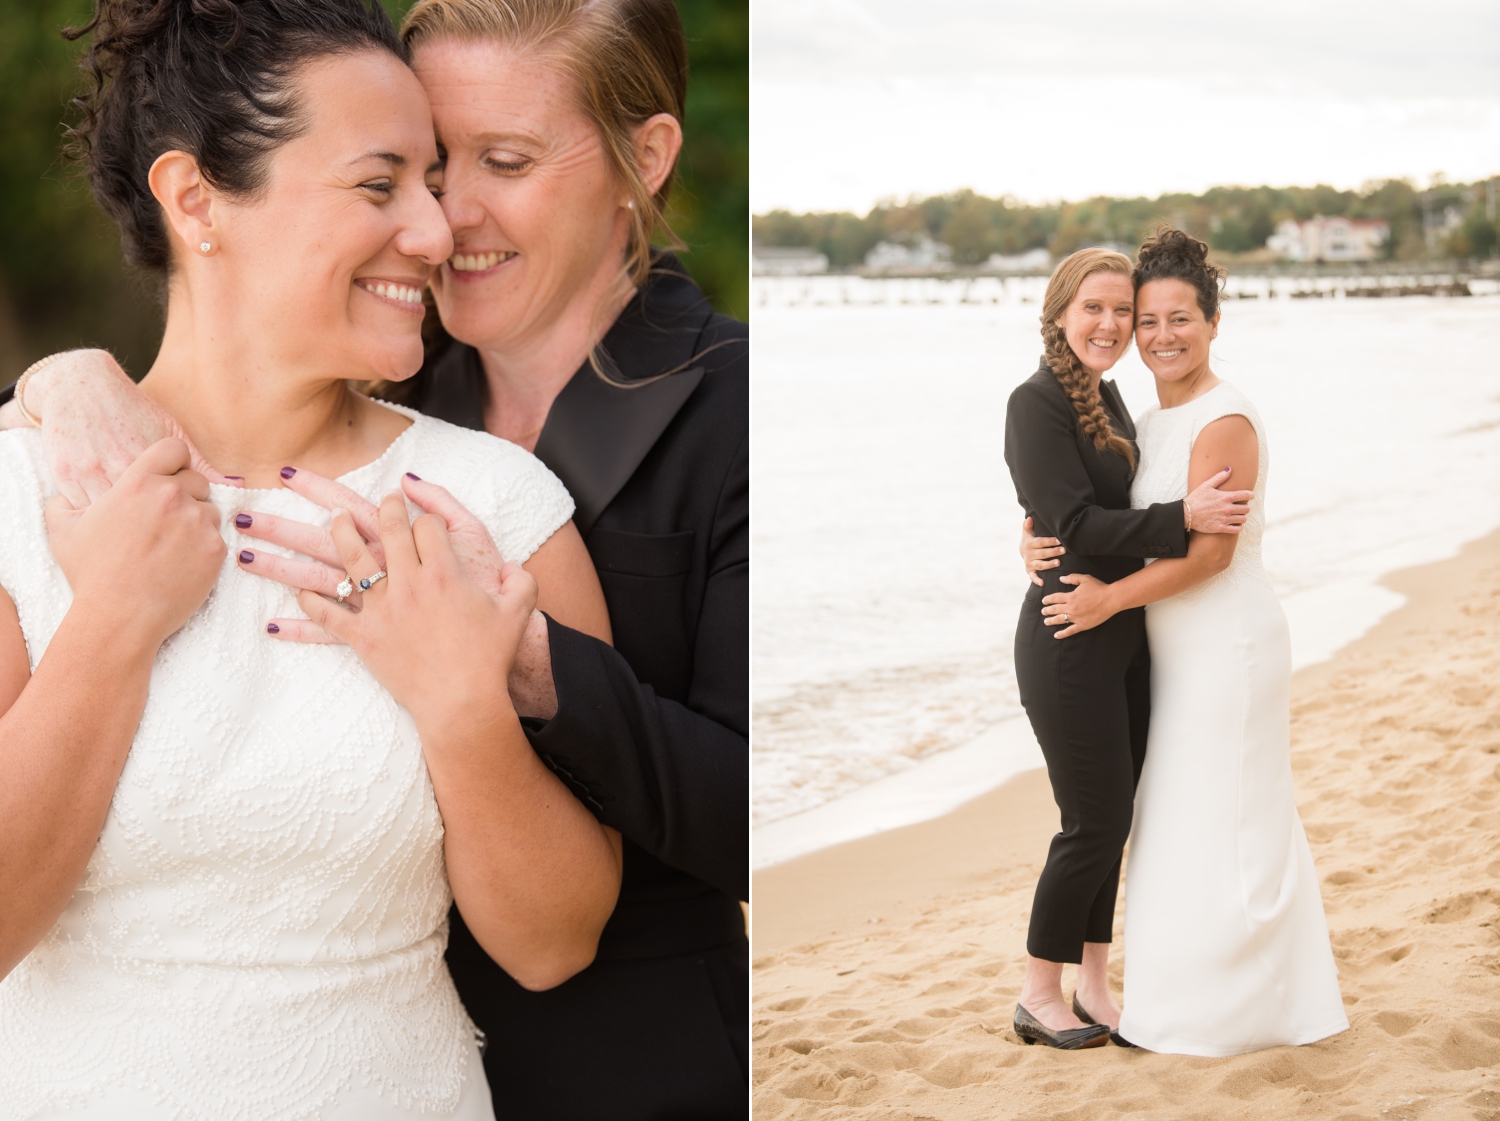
[658, 140]
[186, 201]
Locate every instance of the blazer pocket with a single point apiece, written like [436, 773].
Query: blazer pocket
[644, 577]
[642, 554]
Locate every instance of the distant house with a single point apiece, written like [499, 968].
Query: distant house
[766, 260]
[925, 255]
[1330, 239]
[1033, 260]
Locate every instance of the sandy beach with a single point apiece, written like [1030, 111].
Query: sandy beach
[886, 970]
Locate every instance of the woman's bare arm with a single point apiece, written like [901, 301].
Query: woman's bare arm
[1229, 440]
[66, 730]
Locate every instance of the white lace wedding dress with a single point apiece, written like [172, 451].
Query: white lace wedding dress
[259, 935]
[1226, 947]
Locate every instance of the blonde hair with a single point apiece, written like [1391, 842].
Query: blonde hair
[1064, 362]
[628, 59]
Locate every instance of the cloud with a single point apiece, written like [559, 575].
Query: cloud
[855, 100]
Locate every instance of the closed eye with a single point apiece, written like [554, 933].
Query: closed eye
[507, 167]
[381, 187]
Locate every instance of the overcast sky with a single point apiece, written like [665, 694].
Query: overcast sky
[853, 101]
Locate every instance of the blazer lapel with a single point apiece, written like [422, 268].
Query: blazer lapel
[597, 434]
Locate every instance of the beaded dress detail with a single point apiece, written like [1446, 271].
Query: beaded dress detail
[260, 931]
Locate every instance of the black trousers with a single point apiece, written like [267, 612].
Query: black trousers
[1089, 700]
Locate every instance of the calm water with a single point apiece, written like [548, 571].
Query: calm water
[885, 523]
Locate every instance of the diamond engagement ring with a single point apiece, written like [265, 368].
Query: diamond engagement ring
[370, 581]
[345, 588]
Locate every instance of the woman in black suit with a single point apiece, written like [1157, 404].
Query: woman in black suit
[1069, 443]
[563, 331]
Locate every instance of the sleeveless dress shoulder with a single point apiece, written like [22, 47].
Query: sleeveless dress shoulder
[1226, 945]
[259, 934]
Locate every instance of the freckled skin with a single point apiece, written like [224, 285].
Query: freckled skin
[526, 172]
[1103, 310]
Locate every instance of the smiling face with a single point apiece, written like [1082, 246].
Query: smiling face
[538, 214]
[335, 251]
[1170, 330]
[1098, 321]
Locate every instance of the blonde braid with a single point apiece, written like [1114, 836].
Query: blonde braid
[1081, 390]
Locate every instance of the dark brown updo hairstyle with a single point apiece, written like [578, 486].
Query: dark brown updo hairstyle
[1074, 377]
[1172, 254]
[212, 78]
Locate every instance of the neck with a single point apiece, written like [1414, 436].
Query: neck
[526, 374]
[250, 411]
[1170, 394]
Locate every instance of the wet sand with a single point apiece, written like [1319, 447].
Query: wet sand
[886, 970]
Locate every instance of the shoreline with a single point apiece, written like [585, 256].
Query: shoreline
[886, 968]
[950, 779]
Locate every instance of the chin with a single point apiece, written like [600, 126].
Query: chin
[398, 364]
[473, 322]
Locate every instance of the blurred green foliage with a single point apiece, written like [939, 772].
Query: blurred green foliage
[62, 280]
[1446, 220]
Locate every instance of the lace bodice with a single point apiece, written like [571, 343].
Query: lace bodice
[263, 922]
[1165, 438]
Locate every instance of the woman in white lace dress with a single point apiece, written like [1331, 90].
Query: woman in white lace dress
[226, 861]
[1226, 947]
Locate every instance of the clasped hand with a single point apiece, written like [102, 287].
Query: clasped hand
[438, 641]
[1082, 609]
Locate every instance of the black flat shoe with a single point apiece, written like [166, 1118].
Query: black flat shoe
[1032, 1030]
[1115, 1037]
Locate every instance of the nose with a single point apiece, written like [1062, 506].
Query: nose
[426, 233]
[460, 201]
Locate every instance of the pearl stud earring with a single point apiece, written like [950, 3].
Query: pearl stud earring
[204, 246]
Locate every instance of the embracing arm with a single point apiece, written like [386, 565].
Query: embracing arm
[66, 729]
[1041, 449]
[673, 777]
[95, 423]
[1230, 440]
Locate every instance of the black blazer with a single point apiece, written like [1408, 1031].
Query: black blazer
[1078, 494]
[652, 734]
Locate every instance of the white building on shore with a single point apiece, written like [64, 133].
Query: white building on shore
[1330, 239]
[924, 255]
[1033, 260]
[767, 260]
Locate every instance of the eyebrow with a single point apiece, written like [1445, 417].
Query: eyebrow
[392, 158]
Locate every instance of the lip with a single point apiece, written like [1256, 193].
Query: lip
[369, 284]
[504, 257]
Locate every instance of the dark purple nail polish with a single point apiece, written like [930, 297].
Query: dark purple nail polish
[272, 628]
[409, 475]
[244, 521]
[246, 556]
[288, 472]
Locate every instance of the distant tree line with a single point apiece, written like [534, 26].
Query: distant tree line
[1234, 220]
